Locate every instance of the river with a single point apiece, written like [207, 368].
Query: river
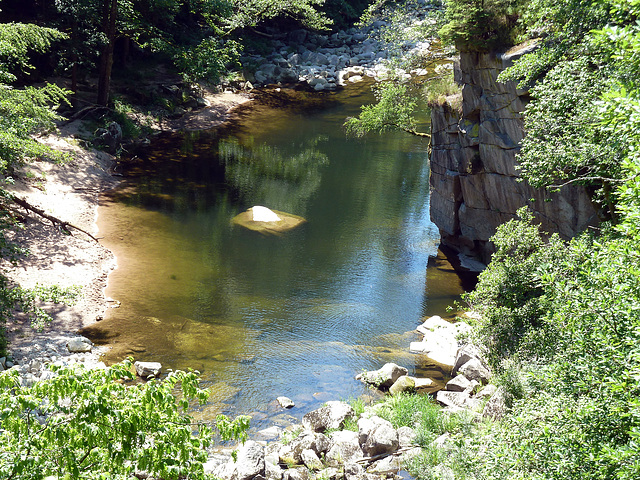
[262, 316]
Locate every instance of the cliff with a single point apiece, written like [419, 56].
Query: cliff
[474, 173]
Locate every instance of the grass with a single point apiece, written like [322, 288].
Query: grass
[443, 90]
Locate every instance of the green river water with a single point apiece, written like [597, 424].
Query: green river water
[262, 316]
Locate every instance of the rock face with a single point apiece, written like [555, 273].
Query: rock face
[474, 174]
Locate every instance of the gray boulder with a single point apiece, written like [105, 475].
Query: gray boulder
[250, 462]
[458, 384]
[286, 402]
[345, 449]
[300, 473]
[331, 416]
[148, 369]
[383, 377]
[406, 436]
[402, 384]
[496, 407]
[377, 436]
[310, 459]
[464, 354]
[487, 392]
[452, 399]
[475, 370]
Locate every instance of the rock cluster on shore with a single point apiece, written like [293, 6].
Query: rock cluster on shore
[322, 448]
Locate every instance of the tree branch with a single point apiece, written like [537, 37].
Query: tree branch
[61, 224]
[593, 179]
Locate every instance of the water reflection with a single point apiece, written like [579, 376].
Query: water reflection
[298, 315]
[288, 179]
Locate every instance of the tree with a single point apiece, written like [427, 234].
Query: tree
[395, 110]
[481, 25]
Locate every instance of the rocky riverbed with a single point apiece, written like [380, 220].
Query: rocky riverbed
[324, 62]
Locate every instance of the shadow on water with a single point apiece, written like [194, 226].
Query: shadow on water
[299, 314]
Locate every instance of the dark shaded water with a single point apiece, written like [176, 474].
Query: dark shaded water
[262, 316]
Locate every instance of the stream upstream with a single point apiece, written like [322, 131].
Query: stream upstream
[298, 314]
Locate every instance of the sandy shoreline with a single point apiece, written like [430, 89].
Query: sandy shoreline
[71, 192]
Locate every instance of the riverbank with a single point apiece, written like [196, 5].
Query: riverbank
[71, 192]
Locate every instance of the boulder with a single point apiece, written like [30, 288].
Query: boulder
[464, 354]
[496, 407]
[453, 399]
[475, 370]
[79, 345]
[458, 384]
[266, 221]
[487, 392]
[148, 369]
[377, 436]
[310, 459]
[316, 442]
[423, 384]
[331, 416]
[345, 449]
[387, 466]
[383, 377]
[250, 461]
[286, 402]
[406, 436]
[433, 324]
[402, 384]
[272, 470]
[299, 473]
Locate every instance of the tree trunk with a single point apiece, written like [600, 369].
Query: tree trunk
[109, 14]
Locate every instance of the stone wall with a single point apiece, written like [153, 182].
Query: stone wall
[474, 175]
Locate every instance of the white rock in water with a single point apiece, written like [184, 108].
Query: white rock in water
[286, 402]
[263, 214]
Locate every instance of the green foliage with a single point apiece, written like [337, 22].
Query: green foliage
[17, 40]
[481, 25]
[562, 142]
[400, 30]
[92, 424]
[344, 13]
[210, 60]
[439, 90]
[509, 296]
[421, 413]
[394, 110]
[23, 113]
[250, 13]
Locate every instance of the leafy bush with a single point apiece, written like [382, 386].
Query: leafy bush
[90, 424]
[510, 296]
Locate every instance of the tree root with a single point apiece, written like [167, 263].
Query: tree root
[60, 224]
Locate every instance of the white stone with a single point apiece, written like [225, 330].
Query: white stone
[79, 345]
[148, 369]
[264, 214]
[286, 402]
